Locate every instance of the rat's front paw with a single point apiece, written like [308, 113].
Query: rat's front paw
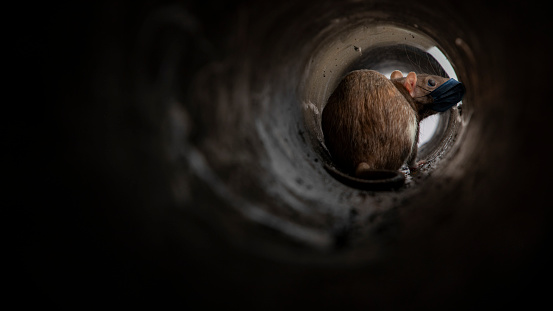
[416, 166]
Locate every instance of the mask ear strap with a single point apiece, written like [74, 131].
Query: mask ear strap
[428, 92]
[443, 89]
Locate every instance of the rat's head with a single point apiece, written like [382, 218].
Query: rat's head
[431, 93]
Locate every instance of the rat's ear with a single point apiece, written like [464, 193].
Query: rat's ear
[411, 83]
[396, 74]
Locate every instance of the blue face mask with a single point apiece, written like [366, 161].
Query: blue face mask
[447, 95]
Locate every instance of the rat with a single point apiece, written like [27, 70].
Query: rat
[371, 123]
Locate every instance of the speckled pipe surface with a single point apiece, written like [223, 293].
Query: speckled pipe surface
[179, 149]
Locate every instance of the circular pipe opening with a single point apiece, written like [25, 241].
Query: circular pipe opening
[382, 46]
[262, 107]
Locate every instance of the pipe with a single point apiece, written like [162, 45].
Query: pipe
[188, 165]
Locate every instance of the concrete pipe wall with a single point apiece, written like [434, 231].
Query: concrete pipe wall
[178, 157]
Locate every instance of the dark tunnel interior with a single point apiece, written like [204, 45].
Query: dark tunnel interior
[170, 154]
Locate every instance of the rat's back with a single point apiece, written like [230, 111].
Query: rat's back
[368, 120]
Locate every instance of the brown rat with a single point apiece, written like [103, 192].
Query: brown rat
[371, 123]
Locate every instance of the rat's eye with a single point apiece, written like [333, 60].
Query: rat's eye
[431, 82]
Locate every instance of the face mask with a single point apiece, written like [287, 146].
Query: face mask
[447, 95]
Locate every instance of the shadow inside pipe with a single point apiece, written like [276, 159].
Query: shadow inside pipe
[191, 163]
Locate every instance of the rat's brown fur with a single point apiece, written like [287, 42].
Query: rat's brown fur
[371, 122]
